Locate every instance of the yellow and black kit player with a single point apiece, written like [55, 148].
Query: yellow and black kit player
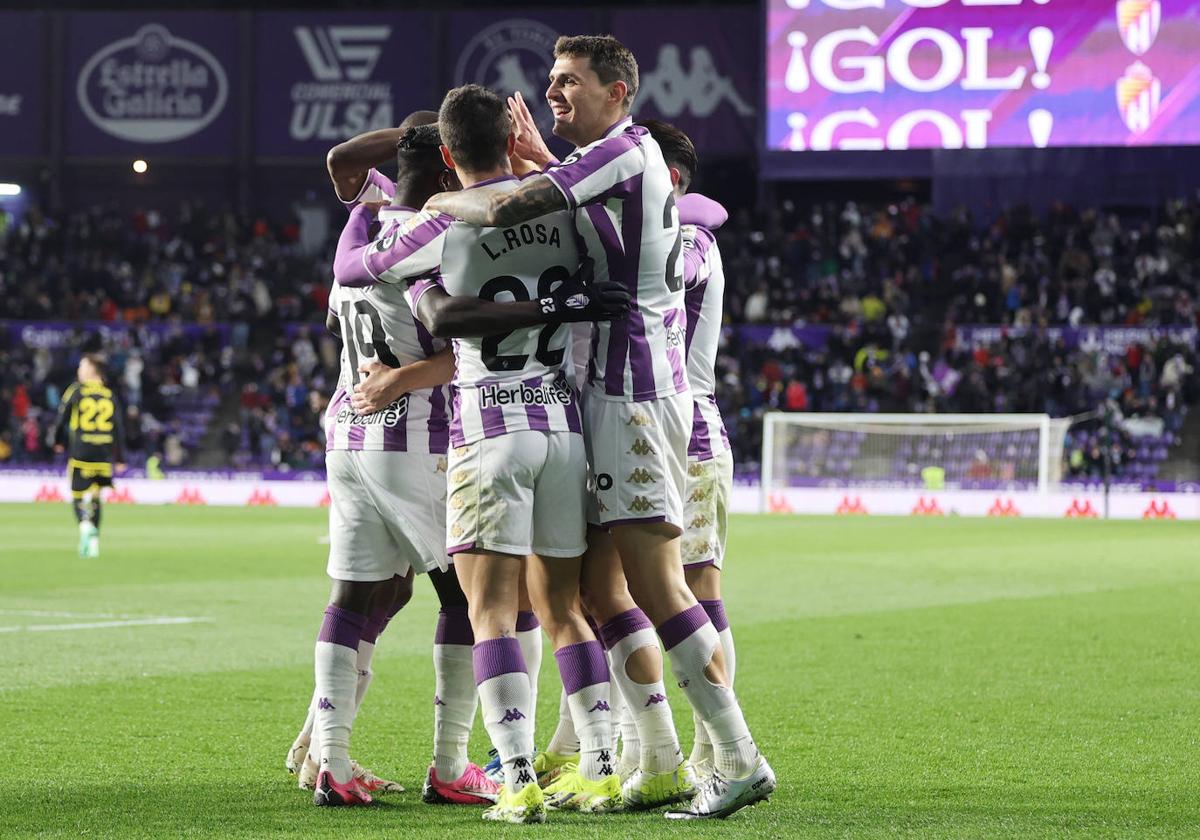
[90, 419]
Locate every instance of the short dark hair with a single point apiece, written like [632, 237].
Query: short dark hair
[677, 149]
[417, 150]
[609, 58]
[474, 125]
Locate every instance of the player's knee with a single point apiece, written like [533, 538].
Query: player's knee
[402, 595]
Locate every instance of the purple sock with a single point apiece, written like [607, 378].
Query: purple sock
[495, 657]
[678, 627]
[453, 627]
[526, 620]
[716, 614]
[625, 624]
[342, 627]
[581, 665]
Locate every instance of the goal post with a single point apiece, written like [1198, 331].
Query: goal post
[911, 451]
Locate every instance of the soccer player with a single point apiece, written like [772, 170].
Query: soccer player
[517, 468]
[387, 487]
[90, 419]
[638, 409]
[710, 460]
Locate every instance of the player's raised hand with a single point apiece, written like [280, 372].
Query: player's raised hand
[529, 145]
[583, 298]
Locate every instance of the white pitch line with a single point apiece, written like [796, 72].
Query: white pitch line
[62, 614]
[99, 625]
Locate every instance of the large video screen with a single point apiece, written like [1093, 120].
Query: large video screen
[949, 74]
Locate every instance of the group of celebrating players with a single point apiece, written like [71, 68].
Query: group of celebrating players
[525, 413]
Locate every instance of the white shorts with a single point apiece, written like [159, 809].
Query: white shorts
[387, 513]
[638, 457]
[706, 510]
[524, 492]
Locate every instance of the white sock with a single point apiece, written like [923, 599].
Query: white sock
[564, 741]
[691, 641]
[307, 729]
[336, 673]
[504, 695]
[366, 651]
[529, 636]
[454, 703]
[658, 744]
[584, 672]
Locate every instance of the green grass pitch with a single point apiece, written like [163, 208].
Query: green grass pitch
[907, 678]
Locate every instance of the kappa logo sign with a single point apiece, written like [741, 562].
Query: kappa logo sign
[512, 55]
[851, 506]
[1155, 510]
[698, 91]
[343, 99]
[152, 87]
[48, 493]
[261, 498]
[119, 496]
[189, 496]
[1081, 509]
[927, 507]
[1003, 508]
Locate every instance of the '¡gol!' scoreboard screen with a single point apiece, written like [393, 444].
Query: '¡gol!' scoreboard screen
[949, 74]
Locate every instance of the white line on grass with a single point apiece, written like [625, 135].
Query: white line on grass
[98, 625]
[62, 614]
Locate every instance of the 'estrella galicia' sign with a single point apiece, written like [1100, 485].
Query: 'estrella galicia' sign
[153, 87]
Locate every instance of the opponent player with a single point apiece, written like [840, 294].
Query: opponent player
[638, 412]
[91, 421]
[710, 461]
[517, 468]
[387, 512]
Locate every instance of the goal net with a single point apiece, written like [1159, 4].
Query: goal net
[927, 451]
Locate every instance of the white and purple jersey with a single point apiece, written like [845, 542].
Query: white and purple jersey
[376, 324]
[704, 293]
[620, 189]
[503, 383]
[376, 187]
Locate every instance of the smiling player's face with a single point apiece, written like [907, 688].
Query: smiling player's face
[582, 105]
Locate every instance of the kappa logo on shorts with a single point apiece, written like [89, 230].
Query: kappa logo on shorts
[461, 450]
[459, 476]
[641, 476]
[695, 470]
[639, 418]
[456, 530]
[641, 447]
[700, 495]
[457, 502]
[441, 464]
[700, 521]
[641, 504]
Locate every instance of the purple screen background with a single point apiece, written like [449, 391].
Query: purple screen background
[1089, 56]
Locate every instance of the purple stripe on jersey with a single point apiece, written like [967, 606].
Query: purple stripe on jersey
[693, 299]
[641, 364]
[539, 420]
[439, 425]
[566, 176]
[395, 438]
[618, 330]
[700, 446]
[453, 627]
[378, 259]
[493, 421]
[496, 657]
[356, 435]
[675, 354]
[342, 627]
[581, 665]
[574, 423]
[679, 627]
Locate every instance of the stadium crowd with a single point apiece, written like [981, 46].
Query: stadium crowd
[892, 284]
